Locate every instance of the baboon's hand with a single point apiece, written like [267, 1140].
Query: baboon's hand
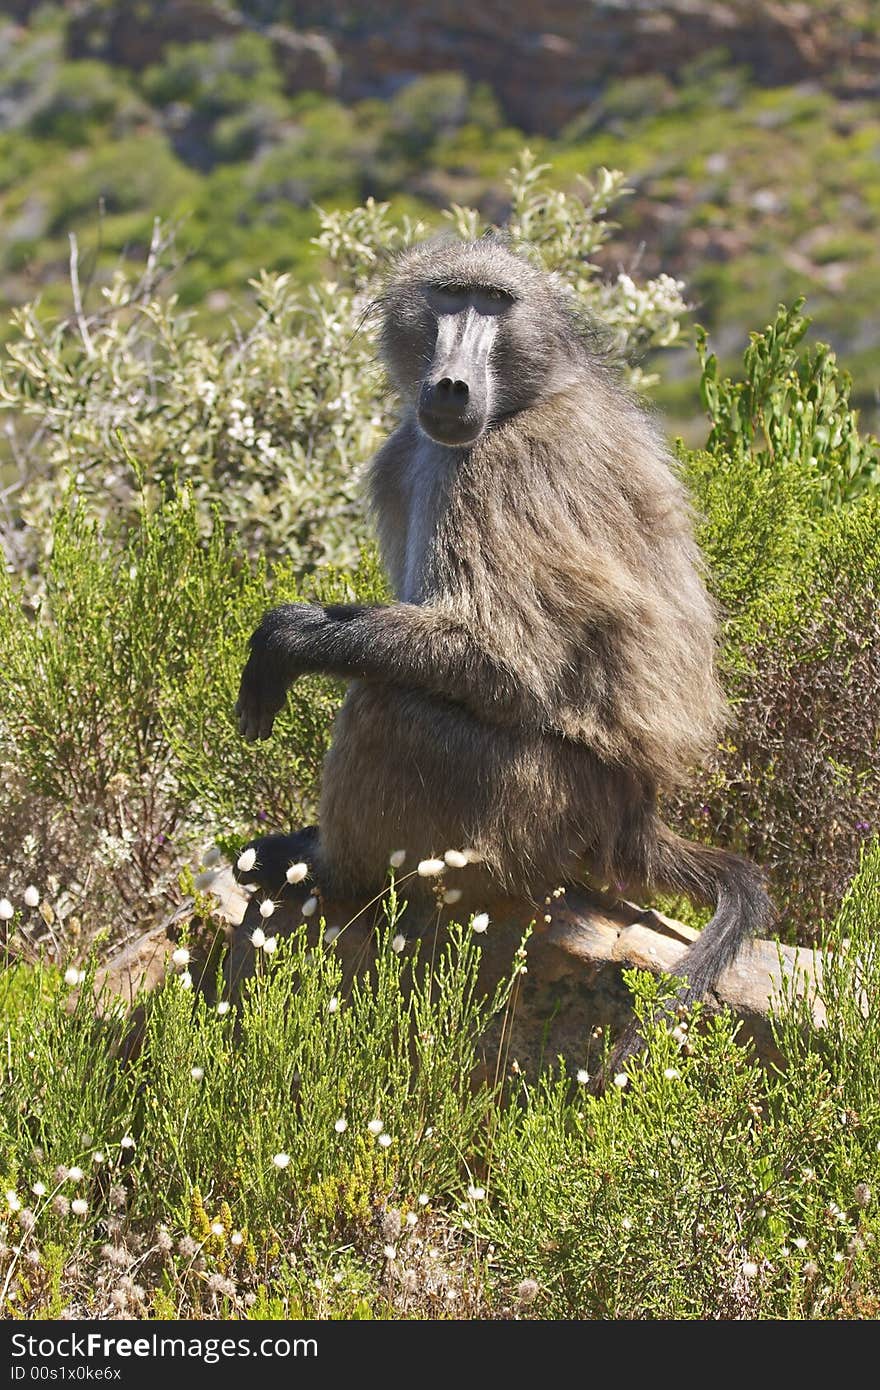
[269, 670]
[260, 696]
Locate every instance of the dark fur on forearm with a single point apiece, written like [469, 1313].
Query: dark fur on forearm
[402, 644]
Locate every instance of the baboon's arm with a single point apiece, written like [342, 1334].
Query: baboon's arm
[403, 644]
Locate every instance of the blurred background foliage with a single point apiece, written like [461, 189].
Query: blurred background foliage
[755, 166]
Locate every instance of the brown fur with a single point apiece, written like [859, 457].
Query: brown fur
[548, 668]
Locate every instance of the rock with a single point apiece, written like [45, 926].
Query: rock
[307, 62]
[572, 993]
[574, 983]
[546, 64]
[137, 35]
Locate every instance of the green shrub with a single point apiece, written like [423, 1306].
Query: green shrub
[119, 750]
[82, 97]
[791, 528]
[705, 1186]
[791, 409]
[214, 78]
[285, 1139]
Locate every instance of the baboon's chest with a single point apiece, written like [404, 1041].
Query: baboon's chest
[428, 486]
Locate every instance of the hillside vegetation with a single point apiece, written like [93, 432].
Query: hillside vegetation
[752, 193]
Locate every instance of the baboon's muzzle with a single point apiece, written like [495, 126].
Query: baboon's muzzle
[455, 396]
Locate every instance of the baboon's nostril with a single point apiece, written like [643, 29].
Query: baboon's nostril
[447, 389]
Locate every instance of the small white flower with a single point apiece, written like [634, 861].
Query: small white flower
[281, 1160]
[476, 1194]
[429, 868]
[397, 858]
[126, 1142]
[98, 1157]
[452, 895]
[223, 1008]
[411, 1218]
[39, 1189]
[236, 1238]
[626, 1224]
[375, 1126]
[330, 935]
[180, 956]
[296, 873]
[384, 1141]
[398, 943]
[800, 1242]
[246, 860]
[75, 1174]
[258, 938]
[267, 907]
[423, 1199]
[185, 980]
[217, 1228]
[32, 896]
[7, 911]
[79, 1206]
[480, 922]
[197, 1073]
[13, 1201]
[341, 1125]
[333, 1005]
[749, 1269]
[621, 1079]
[309, 906]
[455, 859]
[71, 976]
[270, 945]
[671, 1073]
[390, 1252]
[583, 1076]
[837, 1257]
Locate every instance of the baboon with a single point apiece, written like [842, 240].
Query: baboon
[548, 667]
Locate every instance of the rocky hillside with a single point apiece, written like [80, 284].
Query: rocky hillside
[750, 133]
[544, 63]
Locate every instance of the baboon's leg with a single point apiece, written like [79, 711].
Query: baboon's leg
[275, 854]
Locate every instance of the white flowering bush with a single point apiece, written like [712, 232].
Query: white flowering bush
[271, 422]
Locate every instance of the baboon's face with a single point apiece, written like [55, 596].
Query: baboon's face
[455, 397]
[470, 335]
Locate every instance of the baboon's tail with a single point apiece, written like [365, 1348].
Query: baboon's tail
[734, 886]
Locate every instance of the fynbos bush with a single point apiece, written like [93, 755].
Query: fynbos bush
[272, 422]
[791, 529]
[118, 748]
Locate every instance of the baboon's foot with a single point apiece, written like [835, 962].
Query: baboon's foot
[274, 856]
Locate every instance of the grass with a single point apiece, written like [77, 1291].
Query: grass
[310, 1153]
